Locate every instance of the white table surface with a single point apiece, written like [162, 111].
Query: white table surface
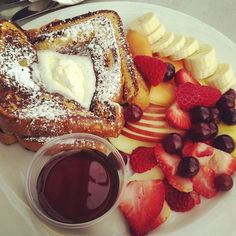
[221, 14]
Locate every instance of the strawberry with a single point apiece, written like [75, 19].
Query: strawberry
[182, 76]
[180, 201]
[222, 163]
[203, 182]
[141, 204]
[180, 183]
[152, 69]
[169, 165]
[167, 162]
[177, 117]
[162, 217]
[203, 152]
[189, 95]
[142, 159]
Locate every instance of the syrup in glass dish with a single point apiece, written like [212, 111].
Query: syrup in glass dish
[78, 187]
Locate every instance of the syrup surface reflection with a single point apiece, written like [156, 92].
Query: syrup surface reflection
[78, 187]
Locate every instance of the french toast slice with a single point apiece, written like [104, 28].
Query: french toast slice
[99, 34]
[27, 109]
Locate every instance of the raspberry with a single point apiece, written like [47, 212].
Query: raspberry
[142, 159]
[189, 95]
[152, 69]
[180, 201]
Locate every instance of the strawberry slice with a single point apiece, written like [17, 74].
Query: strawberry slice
[152, 69]
[222, 163]
[203, 182]
[181, 201]
[177, 117]
[141, 204]
[180, 183]
[182, 76]
[162, 217]
[167, 162]
[202, 151]
[169, 165]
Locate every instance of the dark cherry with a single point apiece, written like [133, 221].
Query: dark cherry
[200, 132]
[223, 182]
[173, 143]
[224, 142]
[188, 167]
[132, 113]
[170, 73]
[225, 102]
[215, 114]
[229, 116]
[200, 114]
[214, 129]
[231, 92]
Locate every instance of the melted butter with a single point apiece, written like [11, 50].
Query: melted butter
[69, 75]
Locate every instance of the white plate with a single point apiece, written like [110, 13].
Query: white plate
[213, 217]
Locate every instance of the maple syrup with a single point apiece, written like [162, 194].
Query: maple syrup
[78, 187]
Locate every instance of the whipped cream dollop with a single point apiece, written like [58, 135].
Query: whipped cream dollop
[69, 75]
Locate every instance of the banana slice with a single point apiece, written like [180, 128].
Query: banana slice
[191, 46]
[202, 59]
[163, 42]
[157, 34]
[175, 46]
[145, 24]
[223, 78]
[204, 72]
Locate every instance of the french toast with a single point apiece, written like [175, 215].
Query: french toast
[27, 109]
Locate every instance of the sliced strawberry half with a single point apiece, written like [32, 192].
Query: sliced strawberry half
[169, 165]
[177, 117]
[142, 204]
[167, 162]
[203, 182]
[182, 76]
[222, 163]
[202, 151]
[181, 201]
[162, 217]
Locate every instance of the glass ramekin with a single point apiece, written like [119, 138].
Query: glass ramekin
[58, 146]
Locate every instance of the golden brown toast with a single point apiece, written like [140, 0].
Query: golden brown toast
[26, 109]
[92, 33]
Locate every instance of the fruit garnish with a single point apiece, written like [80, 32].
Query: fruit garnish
[170, 73]
[132, 113]
[214, 129]
[225, 102]
[200, 114]
[189, 95]
[173, 143]
[203, 182]
[181, 201]
[152, 69]
[169, 165]
[215, 114]
[163, 94]
[224, 142]
[178, 118]
[223, 182]
[141, 205]
[142, 159]
[222, 162]
[163, 216]
[182, 76]
[229, 116]
[188, 167]
[200, 131]
[201, 151]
